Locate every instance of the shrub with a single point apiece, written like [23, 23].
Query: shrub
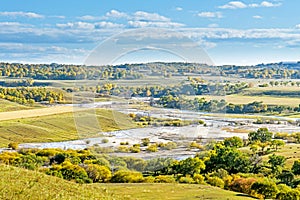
[242, 185]
[126, 176]
[186, 179]
[292, 194]
[164, 179]
[145, 141]
[123, 149]
[98, 173]
[70, 172]
[216, 181]
[168, 146]
[13, 145]
[198, 178]
[135, 148]
[152, 148]
[195, 145]
[266, 188]
[104, 140]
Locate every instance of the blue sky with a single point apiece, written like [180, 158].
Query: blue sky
[231, 32]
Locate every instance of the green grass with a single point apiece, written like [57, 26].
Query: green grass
[6, 106]
[290, 151]
[17, 183]
[60, 127]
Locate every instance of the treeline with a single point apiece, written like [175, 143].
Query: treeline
[221, 164]
[66, 72]
[201, 104]
[29, 95]
[193, 86]
[133, 71]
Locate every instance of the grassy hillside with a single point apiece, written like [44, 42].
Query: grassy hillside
[6, 106]
[19, 183]
[59, 127]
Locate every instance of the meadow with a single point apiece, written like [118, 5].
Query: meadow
[25, 184]
[61, 126]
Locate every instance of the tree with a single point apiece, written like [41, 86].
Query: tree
[233, 142]
[262, 135]
[189, 166]
[277, 163]
[296, 167]
[277, 143]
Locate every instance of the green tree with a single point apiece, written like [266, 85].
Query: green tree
[233, 142]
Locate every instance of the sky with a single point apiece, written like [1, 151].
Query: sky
[230, 32]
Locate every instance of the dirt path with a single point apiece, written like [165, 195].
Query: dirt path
[35, 112]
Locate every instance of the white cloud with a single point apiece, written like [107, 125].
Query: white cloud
[77, 25]
[257, 17]
[239, 4]
[145, 16]
[21, 14]
[210, 14]
[115, 14]
[269, 4]
[179, 8]
[234, 5]
[143, 24]
[105, 24]
[297, 26]
[89, 18]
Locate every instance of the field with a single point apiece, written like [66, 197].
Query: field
[245, 99]
[7, 106]
[291, 152]
[60, 127]
[33, 185]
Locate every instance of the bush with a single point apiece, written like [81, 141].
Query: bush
[164, 179]
[198, 178]
[195, 145]
[71, 172]
[104, 140]
[242, 185]
[123, 149]
[145, 141]
[135, 148]
[168, 146]
[126, 176]
[186, 179]
[216, 181]
[292, 194]
[265, 188]
[13, 145]
[152, 148]
[98, 173]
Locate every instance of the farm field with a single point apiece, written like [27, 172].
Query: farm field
[33, 185]
[59, 126]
